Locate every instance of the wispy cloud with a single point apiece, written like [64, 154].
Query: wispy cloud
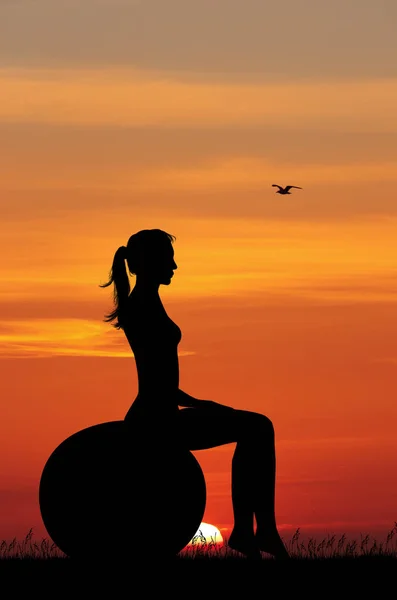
[226, 38]
[231, 175]
[128, 97]
[337, 442]
[41, 338]
[392, 360]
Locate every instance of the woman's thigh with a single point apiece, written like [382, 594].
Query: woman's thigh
[203, 428]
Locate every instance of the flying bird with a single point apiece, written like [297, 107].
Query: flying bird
[286, 189]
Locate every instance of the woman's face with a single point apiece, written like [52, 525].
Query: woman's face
[159, 265]
[167, 265]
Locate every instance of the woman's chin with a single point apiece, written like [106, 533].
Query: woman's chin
[165, 278]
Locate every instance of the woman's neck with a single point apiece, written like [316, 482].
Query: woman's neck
[147, 295]
[147, 288]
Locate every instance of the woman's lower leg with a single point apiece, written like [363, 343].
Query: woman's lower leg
[242, 537]
[258, 462]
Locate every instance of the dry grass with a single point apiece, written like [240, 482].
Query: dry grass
[329, 547]
[326, 548]
[29, 549]
[333, 565]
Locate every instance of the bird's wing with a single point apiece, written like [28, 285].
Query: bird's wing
[275, 185]
[292, 186]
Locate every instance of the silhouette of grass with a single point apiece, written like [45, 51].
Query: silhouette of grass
[329, 547]
[331, 566]
[29, 549]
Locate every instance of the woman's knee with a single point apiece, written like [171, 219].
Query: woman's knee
[256, 424]
[265, 425]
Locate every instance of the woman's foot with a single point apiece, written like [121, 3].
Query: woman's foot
[245, 544]
[271, 543]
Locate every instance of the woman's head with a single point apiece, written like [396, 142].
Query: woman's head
[150, 256]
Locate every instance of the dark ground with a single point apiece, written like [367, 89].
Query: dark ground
[198, 577]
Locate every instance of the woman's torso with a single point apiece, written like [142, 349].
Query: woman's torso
[154, 339]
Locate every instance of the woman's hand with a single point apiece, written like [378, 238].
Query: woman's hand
[188, 401]
[211, 405]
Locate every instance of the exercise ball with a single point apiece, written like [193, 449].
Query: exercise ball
[112, 491]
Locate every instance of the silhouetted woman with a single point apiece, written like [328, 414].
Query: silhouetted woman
[154, 340]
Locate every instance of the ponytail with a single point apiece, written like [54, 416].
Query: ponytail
[118, 275]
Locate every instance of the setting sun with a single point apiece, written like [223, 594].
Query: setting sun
[207, 535]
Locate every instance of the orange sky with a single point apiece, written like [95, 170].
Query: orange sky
[286, 304]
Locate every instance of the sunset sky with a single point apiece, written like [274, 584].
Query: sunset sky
[120, 115]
